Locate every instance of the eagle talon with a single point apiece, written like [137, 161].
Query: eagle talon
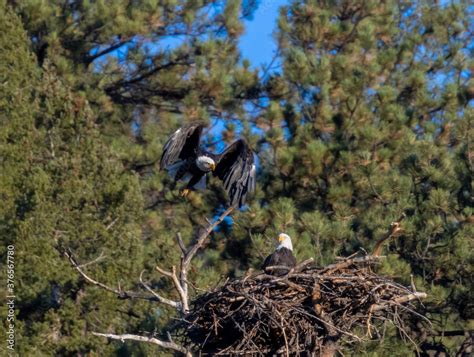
[186, 160]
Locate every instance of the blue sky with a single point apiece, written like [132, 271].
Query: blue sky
[257, 44]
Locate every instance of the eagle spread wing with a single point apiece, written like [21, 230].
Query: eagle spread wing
[236, 168]
[182, 145]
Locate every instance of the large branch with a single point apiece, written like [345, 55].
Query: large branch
[187, 256]
[165, 344]
[348, 262]
[181, 284]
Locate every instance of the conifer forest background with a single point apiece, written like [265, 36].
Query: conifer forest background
[364, 113]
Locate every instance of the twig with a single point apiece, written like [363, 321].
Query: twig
[181, 243]
[155, 294]
[395, 227]
[182, 294]
[111, 224]
[271, 268]
[290, 270]
[347, 263]
[96, 260]
[369, 325]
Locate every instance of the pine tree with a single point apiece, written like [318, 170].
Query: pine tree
[83, 186]
[374, 97]
[369, 117]
[62, 188]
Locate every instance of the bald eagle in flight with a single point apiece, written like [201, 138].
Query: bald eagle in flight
[283, 256]
[185, 159]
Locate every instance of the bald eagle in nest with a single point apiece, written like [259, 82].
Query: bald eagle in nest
[283, 256]
[185, 159]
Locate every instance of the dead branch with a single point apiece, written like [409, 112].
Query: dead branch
[399, 300]
[122, 294]
[182, 294]
[158, 296]
[395, 228]
[344, 264]
[180, 284]
[165, 344]
[181, 243]
[96, 260]
[191, 252]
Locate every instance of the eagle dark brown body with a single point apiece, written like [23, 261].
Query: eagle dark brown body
[282, 257]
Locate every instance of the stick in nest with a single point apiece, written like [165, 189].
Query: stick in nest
[282, 309]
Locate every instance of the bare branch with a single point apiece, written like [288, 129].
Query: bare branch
[122, 294]
[347, 263]
[96, 260]
[155, 294]
[111, 224]
[399, 300]
[183, 296]
[181, 243]
[277, 267]
[191, 252]
[205, 234]
[395, 228]
[165, 344]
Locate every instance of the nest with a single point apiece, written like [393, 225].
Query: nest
[306, 310]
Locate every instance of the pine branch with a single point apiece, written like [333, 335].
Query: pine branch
[89, 59]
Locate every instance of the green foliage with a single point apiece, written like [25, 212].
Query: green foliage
[375, 96]
[370, 117]
[61, 187]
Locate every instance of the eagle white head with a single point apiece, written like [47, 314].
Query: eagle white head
[285, 241]
[205, 163]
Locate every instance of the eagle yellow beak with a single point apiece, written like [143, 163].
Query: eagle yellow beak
[281, 238]
[213, 167]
